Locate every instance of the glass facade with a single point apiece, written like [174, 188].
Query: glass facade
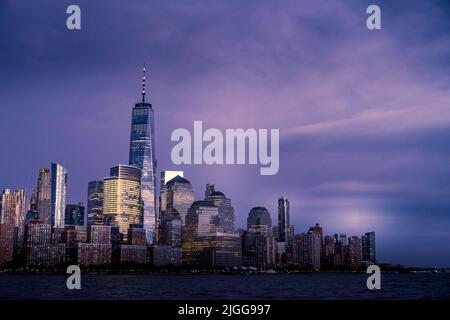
[75, 214]
[226, 211]
[142, 155]
[43, 206]
[95, 202]
[368, 247]
[121, 197]
[259, 220]
[58, 194]
[283, 219]
[177, 194]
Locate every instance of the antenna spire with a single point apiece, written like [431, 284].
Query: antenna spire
[143, 84]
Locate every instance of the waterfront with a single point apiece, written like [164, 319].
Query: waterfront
[326, 286]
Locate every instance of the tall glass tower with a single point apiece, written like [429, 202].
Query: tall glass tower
[283, 219]
[142, 155]
[58, 194]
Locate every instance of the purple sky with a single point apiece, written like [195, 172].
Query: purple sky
[364, 116]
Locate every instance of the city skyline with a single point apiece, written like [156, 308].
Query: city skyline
[371, 157]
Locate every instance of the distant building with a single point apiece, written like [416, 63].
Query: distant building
[202, 218]
[259, 249]
[44, 191]
[168, 175]
[58, 194]
[213, 250]
[95, 202]
[354, 252]
[75, 215]
[121, 201]
[132, 253]
[136, 235]
[258, 243]
[99, 234]
[283, 219]
[99, 250]
[226, 211]
[339, 254]
[318, 230]
[328, 250]
[368, 247]
[38, 243]
[171, 229]
[142, 156]
[341, 238]
[177, 196]
[12, 214]
[32, 213]
[259, 220]
[308, 246]
[166, 255]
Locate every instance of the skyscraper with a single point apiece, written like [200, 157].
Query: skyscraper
[354, 252]
[259, 220]
[258, 242]
[44, 192]
[308, 246]
[58, 194]
[226, 211]
[168, 175]
[121, 201]
[177, 194]
[75, 214]
[283, 219]
[38, 243]
[95, 202]
[318, 229]
[12, 211]
[202, 219]
[142, 155]
[368, 247]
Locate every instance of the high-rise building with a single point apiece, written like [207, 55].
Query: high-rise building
[75, 215]
[121, 197]
[38, 243]
[177, 197]
[168, 175]
[202, 218]
[136, 235]
[328, 250]
[259, 220]
[58, 194]
[166, 255]
[368, 247]
[258, 243]
[354, 252]
[44, 192]
[341, 238]
[226, 211]
[32, 213]
[99, 249]
[213, 250]
[308, 246]
[142, 155]
[95, 202]
[318, 230]
[283, 219]
[12, 214]
[171, 227]
[135, 251]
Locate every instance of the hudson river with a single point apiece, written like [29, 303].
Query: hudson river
[198, 287]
